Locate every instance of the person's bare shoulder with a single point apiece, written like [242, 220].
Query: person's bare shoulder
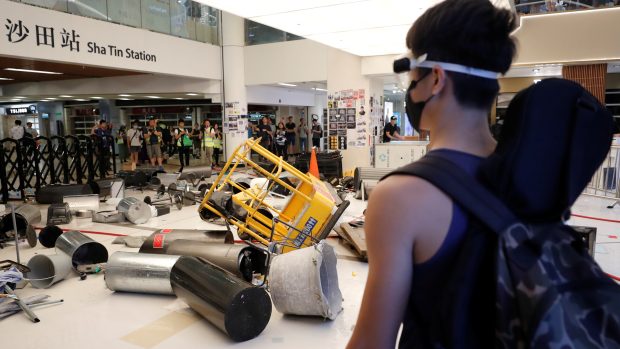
[410, 206]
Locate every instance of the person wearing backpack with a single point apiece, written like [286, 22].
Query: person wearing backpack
[184, 144]
[413, 230]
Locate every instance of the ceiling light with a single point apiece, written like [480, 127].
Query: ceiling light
[180, 99]
[33, 71]
[19, 97]
[6, 79]
[125, 99]
[96, 97]
[124, 95]
[320, 89]
[153, 97]
[50, 98]
[80, 100]
[16, 100]
[192, 94]
[65, 96]
[285, 84]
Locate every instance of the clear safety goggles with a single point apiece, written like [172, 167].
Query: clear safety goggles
[402, 67]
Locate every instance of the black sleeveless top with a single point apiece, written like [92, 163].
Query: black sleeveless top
[428, 277]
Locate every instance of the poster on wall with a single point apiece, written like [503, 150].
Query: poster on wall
[235, 120]
[347, 118]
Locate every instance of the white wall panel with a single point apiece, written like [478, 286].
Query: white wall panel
[290, 61]
[103, 44]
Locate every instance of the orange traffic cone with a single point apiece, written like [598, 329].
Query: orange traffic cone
[314, 164]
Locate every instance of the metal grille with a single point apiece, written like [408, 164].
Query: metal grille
[28, 164]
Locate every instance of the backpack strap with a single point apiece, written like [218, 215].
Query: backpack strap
[462, 188]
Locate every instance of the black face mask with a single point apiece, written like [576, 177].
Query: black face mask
[414, 109]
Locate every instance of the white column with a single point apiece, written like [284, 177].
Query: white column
[233, 41]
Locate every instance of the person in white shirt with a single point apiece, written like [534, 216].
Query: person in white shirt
[134, 139]
[17, 131]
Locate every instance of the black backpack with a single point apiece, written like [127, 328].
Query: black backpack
[522, 278]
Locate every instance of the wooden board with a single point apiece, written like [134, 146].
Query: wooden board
[356, 237]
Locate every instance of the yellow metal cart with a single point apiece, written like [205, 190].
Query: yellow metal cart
[307, 217]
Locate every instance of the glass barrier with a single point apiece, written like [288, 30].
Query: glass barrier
[530, 7]
[183, 18]
[257, 34]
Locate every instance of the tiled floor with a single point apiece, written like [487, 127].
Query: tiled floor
[94, 317]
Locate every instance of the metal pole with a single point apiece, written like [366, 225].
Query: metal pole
[32, 316]
[16, 233]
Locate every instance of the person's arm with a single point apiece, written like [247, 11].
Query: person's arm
[177, 133]
[387, 133]
[397, 136]
[402, 211]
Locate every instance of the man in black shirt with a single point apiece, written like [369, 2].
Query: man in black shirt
[291, 130]
[264, 132]
[391, 131]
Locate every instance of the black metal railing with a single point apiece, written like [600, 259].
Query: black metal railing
[29, 164]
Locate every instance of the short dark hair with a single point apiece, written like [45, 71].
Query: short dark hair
[473, 33]
[28, 123]
[181, 121]
[18, 122]
[102, 121]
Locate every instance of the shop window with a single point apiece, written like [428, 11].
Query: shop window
[58, 5]
[89, 8]
[529, 7]
[156, 15]
[183, 18]
[257, 34]
[207, 23]
[125, 12]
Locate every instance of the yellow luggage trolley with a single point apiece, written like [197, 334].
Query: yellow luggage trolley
[307, 217]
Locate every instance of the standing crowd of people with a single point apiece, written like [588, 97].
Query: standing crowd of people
[157, 142]
[281, 139]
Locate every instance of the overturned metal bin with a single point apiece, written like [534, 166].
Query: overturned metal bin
[159, 241]
[25, 217]
[234, 306]
[242, 260]
[140, 272]
[82, 249]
